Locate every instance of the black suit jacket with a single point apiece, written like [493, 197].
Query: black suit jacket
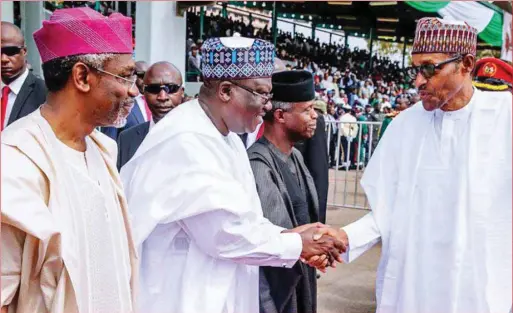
[134, 118]
[129, 141]
[32, 94]
[315, 153]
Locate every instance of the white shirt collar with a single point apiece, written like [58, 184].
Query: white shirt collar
[15, 86]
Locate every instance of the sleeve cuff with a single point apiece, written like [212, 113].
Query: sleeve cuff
[362, 235]
[293, 245]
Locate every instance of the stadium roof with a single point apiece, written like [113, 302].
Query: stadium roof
[388, 20]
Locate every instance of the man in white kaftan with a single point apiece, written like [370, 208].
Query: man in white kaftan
[439, 185]
[197, 217]
[66, 240]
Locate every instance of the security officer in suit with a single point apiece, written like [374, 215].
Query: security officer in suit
[22, 91]
[163, 92]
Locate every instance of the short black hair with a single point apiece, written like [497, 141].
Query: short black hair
[57, 71]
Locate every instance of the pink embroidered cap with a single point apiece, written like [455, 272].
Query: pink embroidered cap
[435, 35]
[79, 31]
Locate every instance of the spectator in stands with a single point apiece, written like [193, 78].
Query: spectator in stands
[390, 114]
[163, 91]
[349, 130]
[415, 98]
[22, 91]
[332, 133]
[193, 64]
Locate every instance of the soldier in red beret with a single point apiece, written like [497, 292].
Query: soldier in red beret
[492, 74]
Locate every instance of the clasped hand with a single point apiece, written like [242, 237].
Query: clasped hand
[322, 245]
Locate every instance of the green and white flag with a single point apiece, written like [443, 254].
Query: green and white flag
[507, 39]
[486, 20]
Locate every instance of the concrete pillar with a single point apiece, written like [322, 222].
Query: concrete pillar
[32, 16]
[275, 23]
[404, 51]
[160, 34]
[202, 22]
[129, 8]
[7, 10]
[371, 36]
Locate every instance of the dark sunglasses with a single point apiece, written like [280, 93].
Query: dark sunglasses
[11, 51]
[140, 74]
[156, 88]
[429, 70]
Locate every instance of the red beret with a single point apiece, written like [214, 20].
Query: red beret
[493, 72]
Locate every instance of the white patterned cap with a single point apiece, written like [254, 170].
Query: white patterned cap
[234, 58]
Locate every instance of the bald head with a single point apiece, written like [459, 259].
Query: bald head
[13, 52]
[140, 70]
[163, 89]
[162, 69]
[12, 33]
[141, 66]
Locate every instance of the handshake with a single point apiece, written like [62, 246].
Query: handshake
[322, 245]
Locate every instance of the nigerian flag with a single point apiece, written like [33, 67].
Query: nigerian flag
[486, 20]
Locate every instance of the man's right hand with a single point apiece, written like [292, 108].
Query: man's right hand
[319, 263]
[317, 240]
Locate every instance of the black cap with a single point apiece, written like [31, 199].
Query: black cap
[293, 86]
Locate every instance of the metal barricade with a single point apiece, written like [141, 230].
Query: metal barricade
[344, 187]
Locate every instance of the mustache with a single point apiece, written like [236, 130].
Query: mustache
[127, 102]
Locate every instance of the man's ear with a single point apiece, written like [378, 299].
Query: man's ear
[468, 63]
[224, 91]
[278, 115]
[81, 77]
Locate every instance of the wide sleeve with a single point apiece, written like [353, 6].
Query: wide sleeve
[225, 235]
[362, 235]
[24, 213]
[199, 191]
[379, 182]
[12, 251]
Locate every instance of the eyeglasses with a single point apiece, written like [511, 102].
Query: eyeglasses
[140, 74]
[429, 70]
[156, 88]
[266, 97]
[12, 50]
[127, 82]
